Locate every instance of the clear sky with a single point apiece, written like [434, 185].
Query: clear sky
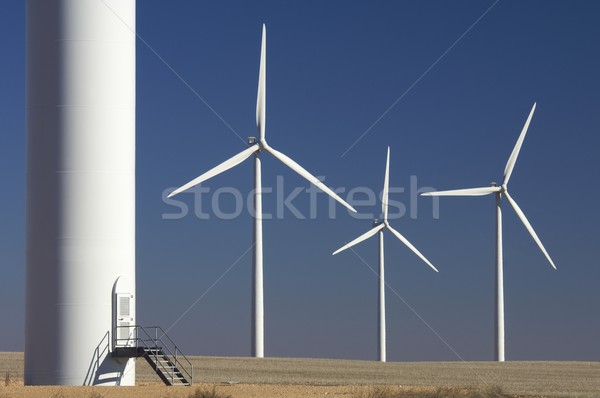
[448, 85]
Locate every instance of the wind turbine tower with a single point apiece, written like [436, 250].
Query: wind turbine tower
[378, 227]
[80, 190]
[501, 192]
[255, 148]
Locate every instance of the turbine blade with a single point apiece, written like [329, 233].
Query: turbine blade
[300, 170]
[411, 247]
[529, 227]
[364, 236]
[510, 165]
[226, 165]
[464, 192]
[386, 187]
[261, 97]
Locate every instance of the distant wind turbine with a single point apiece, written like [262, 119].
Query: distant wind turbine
[255, 148]
[378, 227]
[501, 191]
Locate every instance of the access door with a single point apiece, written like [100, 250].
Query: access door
[125, 320]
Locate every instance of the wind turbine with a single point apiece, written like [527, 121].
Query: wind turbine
[255, 148]
[378, 227]
[501, 191]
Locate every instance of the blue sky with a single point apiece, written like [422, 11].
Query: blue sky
[333, 69]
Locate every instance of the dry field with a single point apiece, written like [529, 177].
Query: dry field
[279, 377]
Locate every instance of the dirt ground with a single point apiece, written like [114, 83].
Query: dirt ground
[282, 377]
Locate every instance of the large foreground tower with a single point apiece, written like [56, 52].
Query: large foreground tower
[80, 190]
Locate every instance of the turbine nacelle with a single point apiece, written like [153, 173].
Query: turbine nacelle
[499, 188]
[262, 143]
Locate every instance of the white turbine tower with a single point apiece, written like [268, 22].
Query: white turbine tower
[378, 227]
[80, 239]
[255, 148]
[501, 191]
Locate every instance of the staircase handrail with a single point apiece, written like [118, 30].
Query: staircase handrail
[166, 348]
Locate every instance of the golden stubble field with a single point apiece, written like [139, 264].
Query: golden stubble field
[282, 377]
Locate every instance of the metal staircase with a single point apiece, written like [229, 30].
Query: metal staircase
[152, 343]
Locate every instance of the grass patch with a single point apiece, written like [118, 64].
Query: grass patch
[441, 392]
[207, 393]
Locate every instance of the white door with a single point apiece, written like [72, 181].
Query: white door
[125, 320]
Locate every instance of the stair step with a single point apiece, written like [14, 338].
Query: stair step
[167, 367]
